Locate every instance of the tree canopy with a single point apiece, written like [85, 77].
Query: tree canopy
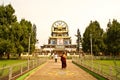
[113, 37]
[95, 32]
[14, 35]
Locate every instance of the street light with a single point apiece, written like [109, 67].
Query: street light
[29, 49]
[91, 43]
[29, 45]
[91, 50]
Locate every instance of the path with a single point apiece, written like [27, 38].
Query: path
[53, 71]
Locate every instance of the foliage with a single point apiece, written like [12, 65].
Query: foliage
[79, 40]
[14, 36]
[7, 16]
[95, 32]
[113, 37]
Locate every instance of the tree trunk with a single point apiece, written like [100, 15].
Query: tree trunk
[19, 55]
[1, 55]
[8, 55]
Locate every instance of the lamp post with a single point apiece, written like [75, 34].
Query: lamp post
[29, 45]
[91, 43]
[29, 49]
[91, 50]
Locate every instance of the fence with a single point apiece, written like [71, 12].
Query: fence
[12, 72]
[111, 72]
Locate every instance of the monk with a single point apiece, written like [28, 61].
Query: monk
[63, 60]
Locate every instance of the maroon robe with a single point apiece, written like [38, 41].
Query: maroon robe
[63, 60]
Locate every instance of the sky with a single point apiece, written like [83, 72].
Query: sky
[76, 13]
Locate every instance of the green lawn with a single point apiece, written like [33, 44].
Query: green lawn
[108, 67]
[5, 63]
[10, 62]
[105, 66]
[103, 63]
[108, 62]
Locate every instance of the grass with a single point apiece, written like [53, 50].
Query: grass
[105, 66]
[108, 62]
[97, 76]
[16, 66]
[4, 63]
[30, 72]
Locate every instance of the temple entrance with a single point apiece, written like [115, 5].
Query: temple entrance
[59, 52]
[59, 41]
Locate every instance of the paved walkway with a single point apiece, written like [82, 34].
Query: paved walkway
[53, 71]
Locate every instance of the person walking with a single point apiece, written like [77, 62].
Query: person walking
[63, 60]
[56, 56]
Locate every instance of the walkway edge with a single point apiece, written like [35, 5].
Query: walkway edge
[97, 76]
[30, 73]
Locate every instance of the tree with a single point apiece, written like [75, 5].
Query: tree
[6, 47]
[97, 40]
[14, 36]
[105, 49]
[29, 31]
[7, 18]
[113, 37]
[78, 40]
[33, 37]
